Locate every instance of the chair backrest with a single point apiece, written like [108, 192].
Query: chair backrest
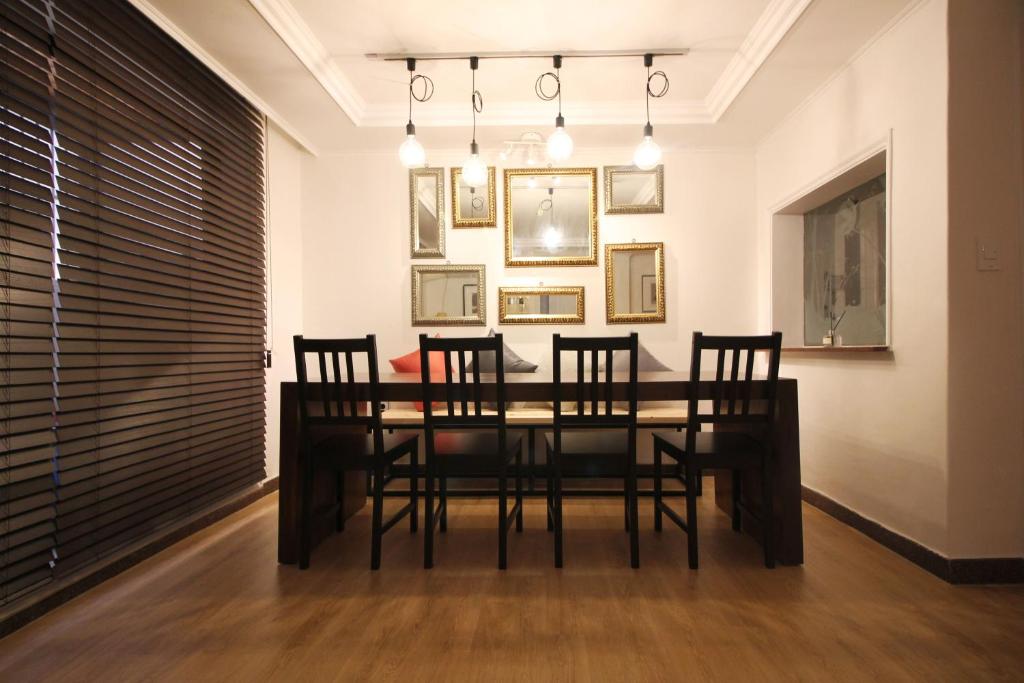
[461, 397]
[335, 407]
[732, 397]
[594, 392]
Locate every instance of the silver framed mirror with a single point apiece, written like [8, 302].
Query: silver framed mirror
[426, 212]
[540, 305]
[635, 282]
[448, 295]
[551, 217]
[473, 207]
[630, 190]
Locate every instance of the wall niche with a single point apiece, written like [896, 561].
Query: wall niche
[830, 261]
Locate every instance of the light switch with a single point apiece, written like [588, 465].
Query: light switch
[988, 255]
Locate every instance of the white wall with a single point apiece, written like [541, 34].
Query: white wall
[873, 428]
[285, 273]
[355, 235]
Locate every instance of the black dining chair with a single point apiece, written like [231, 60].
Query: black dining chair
[732, 404]
[596, 437]
[465, 439]
[337, 435]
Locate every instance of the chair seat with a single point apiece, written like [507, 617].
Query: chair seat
[711, 449]
[472, 454]
[353, 450]
[596, 453]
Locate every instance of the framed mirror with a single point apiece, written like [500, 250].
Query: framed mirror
[628, 189]
[473, 207]
[448, 295]
[635, 282]
[550, 217]
[426, 212]
[540, 305]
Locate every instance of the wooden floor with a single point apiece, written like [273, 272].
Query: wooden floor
[218, 607]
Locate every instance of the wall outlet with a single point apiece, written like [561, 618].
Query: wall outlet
[987, 256]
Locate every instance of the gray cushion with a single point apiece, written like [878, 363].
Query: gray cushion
[511, 360]
[645, 361]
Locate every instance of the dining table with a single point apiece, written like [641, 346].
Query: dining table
[537, 388]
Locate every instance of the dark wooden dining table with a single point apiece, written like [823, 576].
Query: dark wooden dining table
[538, 387]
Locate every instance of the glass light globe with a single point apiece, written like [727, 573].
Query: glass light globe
[552, 238]
[647, 154]
[474, 172]
[559, 144]
[531, 182]
[411, 152]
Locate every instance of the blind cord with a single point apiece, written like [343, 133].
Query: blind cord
[269, 242]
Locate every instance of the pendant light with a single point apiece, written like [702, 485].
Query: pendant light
[474, 172]
[648, 153]
[411, 152]
[559, 143]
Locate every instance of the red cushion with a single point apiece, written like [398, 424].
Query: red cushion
[410, 362]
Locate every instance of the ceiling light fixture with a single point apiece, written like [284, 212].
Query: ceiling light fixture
[559, 143]
[474, 172]
[648, 153]
[411, 152]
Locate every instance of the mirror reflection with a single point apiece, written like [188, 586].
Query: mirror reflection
[540, 305]
[550, 217]
[628, 189]
[472, 207]
[635, 282]
[426, 212]
[448, 295]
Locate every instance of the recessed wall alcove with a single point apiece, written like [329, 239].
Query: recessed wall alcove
[831, 259]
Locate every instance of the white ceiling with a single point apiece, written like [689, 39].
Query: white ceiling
[750, 63]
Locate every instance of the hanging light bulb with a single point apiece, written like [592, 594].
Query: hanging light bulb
[559, 143]
[411, 152]
[474, 172]
[648, 153]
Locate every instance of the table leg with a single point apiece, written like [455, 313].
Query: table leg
[324, 485]
[788, 515]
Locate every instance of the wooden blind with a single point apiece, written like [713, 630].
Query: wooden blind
[133, 285]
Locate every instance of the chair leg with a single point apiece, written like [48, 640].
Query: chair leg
[444, 503]
[502, 514]
[768, 513]
[691, 515]
[414, 488]
[519, 491]
[306, 513]
[657, 488]
[378, 515]
[633, 514]
[339, 521]
[428, 510]
[700, 483]
[555, 465]
[549, 488]
[737, 496]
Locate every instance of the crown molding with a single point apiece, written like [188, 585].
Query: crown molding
[768, 31]
[285, 20]
[766, 34]
[171, 29]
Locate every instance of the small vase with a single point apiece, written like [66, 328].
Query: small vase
[828, 340]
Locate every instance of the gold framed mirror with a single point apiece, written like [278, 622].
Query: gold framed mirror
[630, 190]
[426, 212]
[635, 282]
[551, 217]
[540, 305]
[448, 295]
[473, 207]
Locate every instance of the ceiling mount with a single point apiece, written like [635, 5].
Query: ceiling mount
[525, 54]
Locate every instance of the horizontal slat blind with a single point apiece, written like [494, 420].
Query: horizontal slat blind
[133, 282]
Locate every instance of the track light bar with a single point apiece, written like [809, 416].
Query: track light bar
[532, 54]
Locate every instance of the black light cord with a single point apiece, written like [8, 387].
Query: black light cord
[648, 91]
[476, 98]
[428, 89]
